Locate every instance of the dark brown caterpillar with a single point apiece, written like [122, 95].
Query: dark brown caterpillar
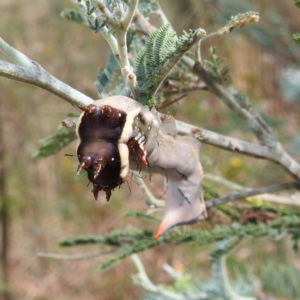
[116, 133]
[101, 151]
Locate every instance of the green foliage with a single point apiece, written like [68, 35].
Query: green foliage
[297, 3]
[140, 215]
[209, 193]
[264, 33]
[279, 210]
[222, 248]
[125, 251]
[296, 38]
[82, 19]
[213, 67]
[230, 211]
[96, 26]
[90, 7]
[147, 7]
[125, 242]
[109, 80]
[281, 280]
[54, 143]
[215, 287]
[241, 98]
[75, 17]
[221, 232]
[162, 52]
[295, 236]
[113, 238]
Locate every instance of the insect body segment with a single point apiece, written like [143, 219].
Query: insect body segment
[99, 130]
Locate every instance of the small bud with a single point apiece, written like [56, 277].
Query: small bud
[131, 76]
[242, 20]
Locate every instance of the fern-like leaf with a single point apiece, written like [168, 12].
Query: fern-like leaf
[296, 38]
[109, 80]
[54, 143]
[129, 241]
[126, 251]
[213, 67]
[222, 248]
[162, 52]
[297, 3]
[113, 238]
[75, 17]
[139, 215]
[147, 7]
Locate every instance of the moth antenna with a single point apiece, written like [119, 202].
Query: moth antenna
[71, 155]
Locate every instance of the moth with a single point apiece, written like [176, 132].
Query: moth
[117, 133]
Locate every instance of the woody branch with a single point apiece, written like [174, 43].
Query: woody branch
[118, 22]
[25, 70]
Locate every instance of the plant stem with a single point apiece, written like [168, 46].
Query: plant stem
[253, 192]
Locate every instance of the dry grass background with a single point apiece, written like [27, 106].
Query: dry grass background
[46, 203]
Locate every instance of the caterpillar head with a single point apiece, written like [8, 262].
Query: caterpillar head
[99, 152]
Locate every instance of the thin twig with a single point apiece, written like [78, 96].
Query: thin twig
[293, 200]
[40, 77]
[120, 27]
[197, 55]
[75, 256]
[227, 286]
[142, 279]
[16, 56]
[151, 201]
[251, 118]
[253, 192]
[166, 104]
[92, 17]
[277, 155]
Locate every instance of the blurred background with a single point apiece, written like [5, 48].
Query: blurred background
[44, 200]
